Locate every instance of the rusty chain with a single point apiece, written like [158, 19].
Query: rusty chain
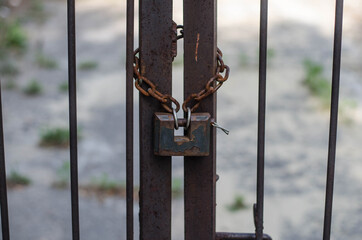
[148, 88]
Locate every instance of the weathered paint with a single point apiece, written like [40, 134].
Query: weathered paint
[155, 171]
[200, 172]
[195, 143]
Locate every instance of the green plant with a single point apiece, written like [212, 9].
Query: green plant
[7, 68]
[63, 87]
[56, 137]
[316, 82]
[36, 11]
[10, 84]
[16, 179]
[177, 188]
[237, 204]
[104, 183]
[15, 37]
[87, 65]
[321, 88]
[12, 40]
[45, 61]
[33, 88]
[63, 176]
[104, 186]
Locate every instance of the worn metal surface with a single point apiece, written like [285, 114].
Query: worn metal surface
[155, 171]
[149, 88]
[239, 236]
[129, 118]
[73, 119]
[3, 188]
[333, 119]
[259, 207]
[193, 100]
[199, 66]
[212, 85]
[196, 141]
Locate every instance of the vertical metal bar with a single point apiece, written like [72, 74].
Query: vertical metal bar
[199, 67]
[3, 188]
[129, 117]
[333, 119]
[73, 119]
[261, 117]
[155, 171]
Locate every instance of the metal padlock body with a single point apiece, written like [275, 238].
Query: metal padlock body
[195, 143]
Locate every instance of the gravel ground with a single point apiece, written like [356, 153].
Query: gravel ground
[296, 137]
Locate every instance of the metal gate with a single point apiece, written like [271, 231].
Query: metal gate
[201, 58]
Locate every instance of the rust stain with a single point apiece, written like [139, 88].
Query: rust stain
[197, 46]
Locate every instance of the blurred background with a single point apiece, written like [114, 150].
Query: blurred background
[33, 72]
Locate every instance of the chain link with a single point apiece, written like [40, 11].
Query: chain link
[148, 88]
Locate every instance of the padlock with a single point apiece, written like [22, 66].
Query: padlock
[196, 141]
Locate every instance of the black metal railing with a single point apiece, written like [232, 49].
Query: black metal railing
[337, 52]
[208, 13]
[3, 190]
[263, 49]
[73, 132]
[129, 118]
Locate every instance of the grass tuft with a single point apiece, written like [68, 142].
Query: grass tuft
[87, 65]
[10, 84]
[103, 187]
[105, 184]
[56, 137]
[14, 37]
[45, 61]
[63, 176]
[321, 88]
[16, 179]
[316, 82]
[9, 69]
[63, 87]
[37, 11]
[33, 88]
[238, 204]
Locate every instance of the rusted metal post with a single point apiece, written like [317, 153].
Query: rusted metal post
[155, 171]
[199, 67]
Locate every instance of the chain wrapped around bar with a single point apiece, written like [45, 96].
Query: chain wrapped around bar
[148, 88]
